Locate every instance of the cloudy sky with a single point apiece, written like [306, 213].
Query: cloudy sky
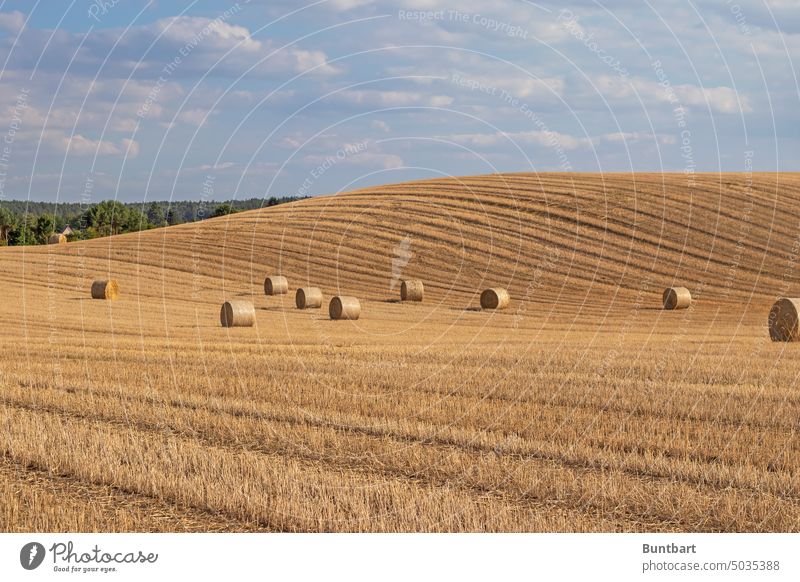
[159, 100]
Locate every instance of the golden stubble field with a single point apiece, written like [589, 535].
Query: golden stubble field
[582, 407]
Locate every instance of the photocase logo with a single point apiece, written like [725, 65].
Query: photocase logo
[31, 555]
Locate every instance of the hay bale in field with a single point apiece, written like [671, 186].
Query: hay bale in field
[308, 298]
[57, 239]
[237, 314]
[495, 298]
[344, 308]
[105, 290]
[276, 285]
[676, 298]
[411, 290]
[784, 322]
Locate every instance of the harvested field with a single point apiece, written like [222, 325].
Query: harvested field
[583, 406]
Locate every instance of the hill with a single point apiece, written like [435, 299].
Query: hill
[582, 407]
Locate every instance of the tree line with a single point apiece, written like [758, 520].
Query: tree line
[33, 223]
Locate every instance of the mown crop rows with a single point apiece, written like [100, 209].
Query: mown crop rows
[582, 407]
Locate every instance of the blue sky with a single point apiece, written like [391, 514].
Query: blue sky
[162, 100]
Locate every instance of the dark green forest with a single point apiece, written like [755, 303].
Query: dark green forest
[32, 223]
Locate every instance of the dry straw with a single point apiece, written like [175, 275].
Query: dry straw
[57, 239]
[784, 323]
[344, 308]
[676, 298]
[496, 298]
[105, 290]
[412, 290]
[276, 285]
[237, 314]
[308, 298]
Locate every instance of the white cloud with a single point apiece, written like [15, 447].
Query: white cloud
[132, 147]
[721, 99]
[628, 137]
[191, 44]
[377, 159]
[534, 137]
[84, 146]
[210, 33]
[370, 159]
[229, 48]
[348, 4]
[516, 85]
[195, 117]
[12, 22]
[393, 99]
[553, 139]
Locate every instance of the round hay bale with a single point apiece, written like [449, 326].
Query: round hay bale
[57, 239]
[676, 298]
[308, 298]
[784, 323]
[105, 290]
[496, 298]
[276, 285]
[344, 308]
[237, 314]
[411, 290]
